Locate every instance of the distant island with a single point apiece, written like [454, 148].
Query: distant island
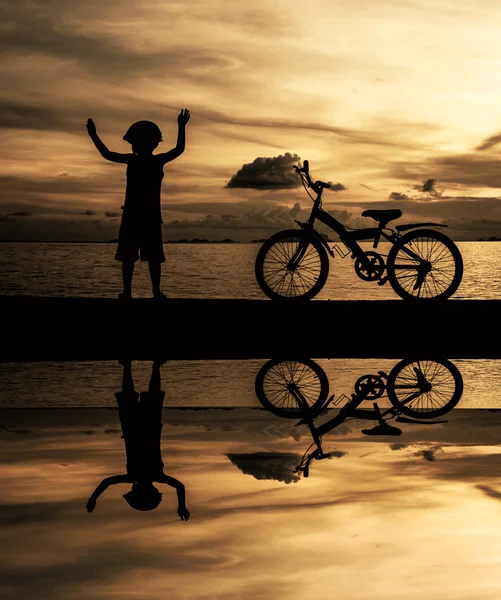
[493, 238]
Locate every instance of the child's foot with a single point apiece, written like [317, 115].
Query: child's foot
[159, 296]
[125, 296]
[158, 362]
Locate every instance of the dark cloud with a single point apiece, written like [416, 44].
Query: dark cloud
[337, 454]
[88, 212]
[398, 446]
[8, 217]
[349, 135]
[337, 187]
[398, 196]
[340, 215]
[266, 219]
[489, 142]
[428, 188]
[488, 491]
[473, 170]
[429, 454]
[111, 213]
[20, 115]
[268, 174]
[268, 465]
[49, 32]
[367, 187]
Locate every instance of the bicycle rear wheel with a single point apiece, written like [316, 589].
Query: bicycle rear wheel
[275, 377]
[439, 256]
[404, 387]
[277, 280]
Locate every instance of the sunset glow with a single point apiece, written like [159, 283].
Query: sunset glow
[379, 96]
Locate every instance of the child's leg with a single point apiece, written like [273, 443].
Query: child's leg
[155, 274]
[127, 273]
[155, 381]
[127, 381]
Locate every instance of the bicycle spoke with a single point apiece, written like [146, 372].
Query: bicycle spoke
[289, 269]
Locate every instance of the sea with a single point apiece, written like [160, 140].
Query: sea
[203, 271]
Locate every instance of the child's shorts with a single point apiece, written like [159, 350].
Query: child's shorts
[150, 249]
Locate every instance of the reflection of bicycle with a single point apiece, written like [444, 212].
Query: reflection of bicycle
[420, 389]
[423, 264]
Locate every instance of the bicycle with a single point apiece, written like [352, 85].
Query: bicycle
[423, 264]
[419, 389]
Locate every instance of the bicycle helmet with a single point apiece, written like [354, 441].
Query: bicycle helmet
[143, 497]
[142, 131]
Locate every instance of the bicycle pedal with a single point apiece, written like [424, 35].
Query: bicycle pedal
[382, 281]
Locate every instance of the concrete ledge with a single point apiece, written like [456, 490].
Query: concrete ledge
[45, 329]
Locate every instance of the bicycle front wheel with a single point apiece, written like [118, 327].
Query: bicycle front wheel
[275, 378]
[424, 389]
[424, 265]
[277, 280]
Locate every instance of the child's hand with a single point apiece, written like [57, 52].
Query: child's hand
[184, 513]
[183, 117]
[91, 127]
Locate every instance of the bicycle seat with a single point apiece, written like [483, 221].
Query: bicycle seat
[382, 430]
[384, 216]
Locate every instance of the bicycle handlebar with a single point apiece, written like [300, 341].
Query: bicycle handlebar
[318, 185]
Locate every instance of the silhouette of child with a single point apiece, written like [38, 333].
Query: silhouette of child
[140, 233]
[141, 419]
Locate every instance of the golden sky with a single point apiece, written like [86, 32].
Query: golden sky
[379, 95]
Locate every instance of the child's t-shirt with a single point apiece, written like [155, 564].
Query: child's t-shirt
[141, 420]
[142, 195]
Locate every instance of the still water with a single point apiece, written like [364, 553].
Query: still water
[415, 516]
[205, 271]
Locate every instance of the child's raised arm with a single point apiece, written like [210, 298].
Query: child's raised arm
[104, 485]
[182, 120]
[182, 511]
[103, 150]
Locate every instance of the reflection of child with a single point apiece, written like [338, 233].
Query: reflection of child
[141, 419]
[141, 228]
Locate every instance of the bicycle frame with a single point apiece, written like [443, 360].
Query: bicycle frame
[350, 410]
[349, 237]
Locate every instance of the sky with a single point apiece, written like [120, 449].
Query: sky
[399, 103]
[415, 519]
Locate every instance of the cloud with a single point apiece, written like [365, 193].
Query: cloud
[429, 453]
[111, 213]
[488, 491]
[88, 212]
[398, 196]
[268, 174]
[398, 446]
[429, 187]
[20, 115]
[469, 169]
[489, 142]
[337, 187]
[266, 219]
[337, 454]
[268, 465]
[7, 217]
[21, 213]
